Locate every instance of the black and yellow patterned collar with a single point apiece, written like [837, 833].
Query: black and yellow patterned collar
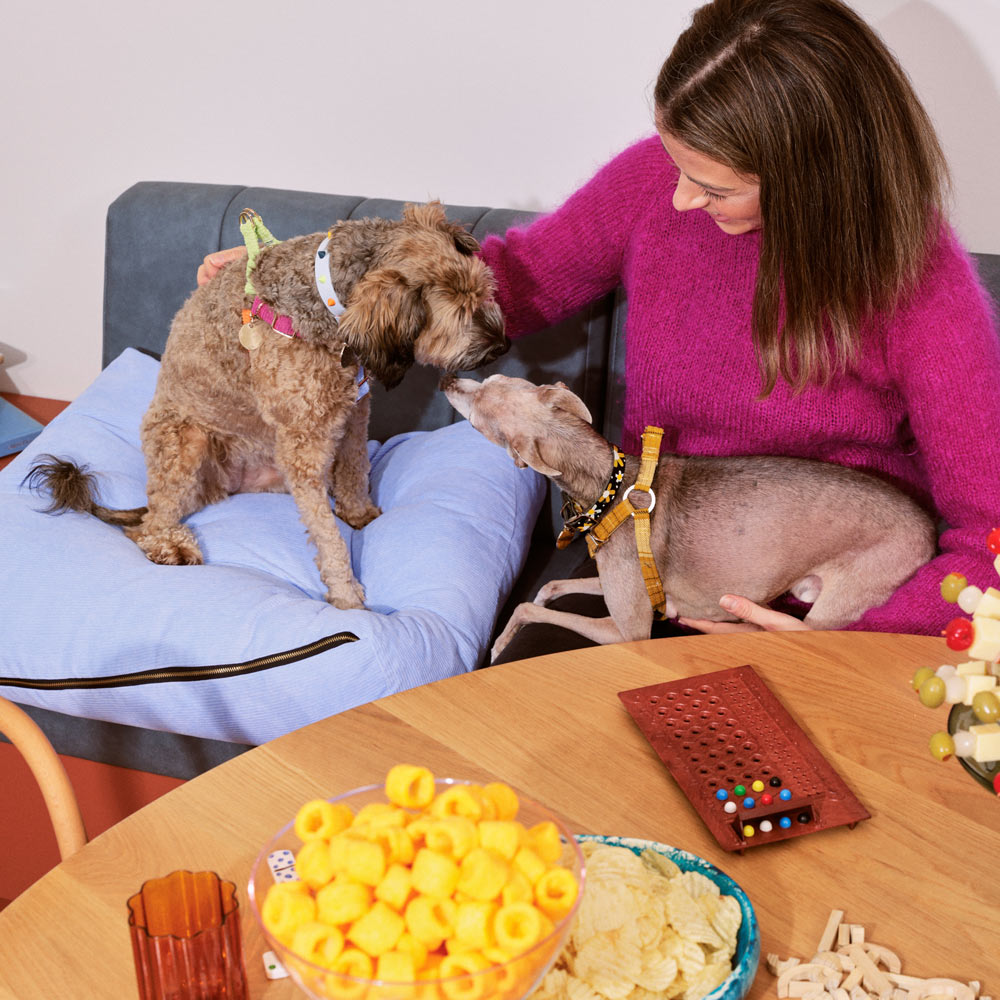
[583, 520]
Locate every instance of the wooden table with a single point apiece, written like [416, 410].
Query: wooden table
[920, 875]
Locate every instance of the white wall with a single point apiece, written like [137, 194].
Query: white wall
[489, 102]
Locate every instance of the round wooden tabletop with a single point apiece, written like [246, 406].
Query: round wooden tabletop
[919, 875]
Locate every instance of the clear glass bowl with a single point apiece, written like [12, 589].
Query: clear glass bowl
[512, 980]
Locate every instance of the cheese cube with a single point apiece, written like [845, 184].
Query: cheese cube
[986, 645]
[972, 667]
[988, 605]
[987, 746]
[975, 684]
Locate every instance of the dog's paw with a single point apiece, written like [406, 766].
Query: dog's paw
[174, 546]
[347, 598]
[359, 516]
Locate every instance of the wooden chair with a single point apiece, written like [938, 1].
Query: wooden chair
[60, 799]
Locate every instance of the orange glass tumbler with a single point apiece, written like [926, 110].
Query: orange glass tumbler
[186, 940]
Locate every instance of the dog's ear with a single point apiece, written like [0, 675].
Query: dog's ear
[561, 397]
[432, 216]
[383, 316]
[524, 450]
[465, 242]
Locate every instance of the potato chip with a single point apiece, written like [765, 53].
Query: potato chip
[688, 918]
[706, 980]
[725, 916]
[657, 975]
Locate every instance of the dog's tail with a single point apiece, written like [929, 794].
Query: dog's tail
[72, 487]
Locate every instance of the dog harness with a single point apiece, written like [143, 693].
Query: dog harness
[601, 530]
[257, 236]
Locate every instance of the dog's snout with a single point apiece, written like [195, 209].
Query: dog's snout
[497, 350]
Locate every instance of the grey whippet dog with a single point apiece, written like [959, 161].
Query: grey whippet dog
[838, 539]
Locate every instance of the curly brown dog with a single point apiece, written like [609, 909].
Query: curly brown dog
[274, 406]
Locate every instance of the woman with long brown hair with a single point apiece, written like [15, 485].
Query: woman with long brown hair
[793, 285]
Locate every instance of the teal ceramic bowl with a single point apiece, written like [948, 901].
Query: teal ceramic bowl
[747, 955]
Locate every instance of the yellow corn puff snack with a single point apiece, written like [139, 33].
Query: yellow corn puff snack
[501, 835]
[434, 874]
[452, 835]
[376, 815]
[395, 967]
[366, 861]
[517, 926]
[378, 930]
[518, 889]
[482, 874]
[318, 943]
[342, 902]
[431, 920]
[395, 887]
[464, 965]
[556, 892]
[504, 798]
[286, 907]
[398, 845]
[409, 786]
[313, 863]
[350, 962]
[320, 820]
[457, 801]
[544, 839]
[416, 949]
[529, 864]
[473, 926]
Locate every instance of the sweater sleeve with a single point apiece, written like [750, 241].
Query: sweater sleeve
[945, 350]
[574, 255]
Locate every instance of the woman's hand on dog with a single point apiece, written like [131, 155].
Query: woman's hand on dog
[215, 262]
[754, 619]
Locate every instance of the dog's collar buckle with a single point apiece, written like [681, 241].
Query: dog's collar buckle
[625, 509]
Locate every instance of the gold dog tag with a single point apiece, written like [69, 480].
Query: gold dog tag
[252, 335]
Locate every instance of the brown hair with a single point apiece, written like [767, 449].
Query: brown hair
[804, 96]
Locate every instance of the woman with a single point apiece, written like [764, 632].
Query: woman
[793, 286]
[801, 293]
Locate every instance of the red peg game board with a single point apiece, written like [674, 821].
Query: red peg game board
[744, 763]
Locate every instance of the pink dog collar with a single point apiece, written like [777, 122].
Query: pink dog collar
[280, 324]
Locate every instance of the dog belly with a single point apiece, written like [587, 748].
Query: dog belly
[261, 479]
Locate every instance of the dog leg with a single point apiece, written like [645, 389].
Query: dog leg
[599, 630]
[306, 470]
[576, 585]
[349, 477]
[175, 451]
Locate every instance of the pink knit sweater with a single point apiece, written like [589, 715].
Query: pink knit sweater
[922, 409]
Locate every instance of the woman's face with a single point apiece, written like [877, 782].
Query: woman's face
[732, 201]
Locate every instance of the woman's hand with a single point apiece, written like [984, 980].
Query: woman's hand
[754, 619]
[215, 262]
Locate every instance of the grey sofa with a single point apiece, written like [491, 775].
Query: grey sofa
[147, 279]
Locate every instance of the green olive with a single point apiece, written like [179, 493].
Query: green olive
[986, 706]
[932, 692]
[920, 676]
[942, 746]
[952, 585]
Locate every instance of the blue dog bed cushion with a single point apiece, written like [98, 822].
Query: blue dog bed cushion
[81, 602]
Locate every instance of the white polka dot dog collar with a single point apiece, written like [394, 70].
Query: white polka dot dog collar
[324, 282]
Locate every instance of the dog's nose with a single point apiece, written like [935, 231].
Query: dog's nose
[497, 350]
